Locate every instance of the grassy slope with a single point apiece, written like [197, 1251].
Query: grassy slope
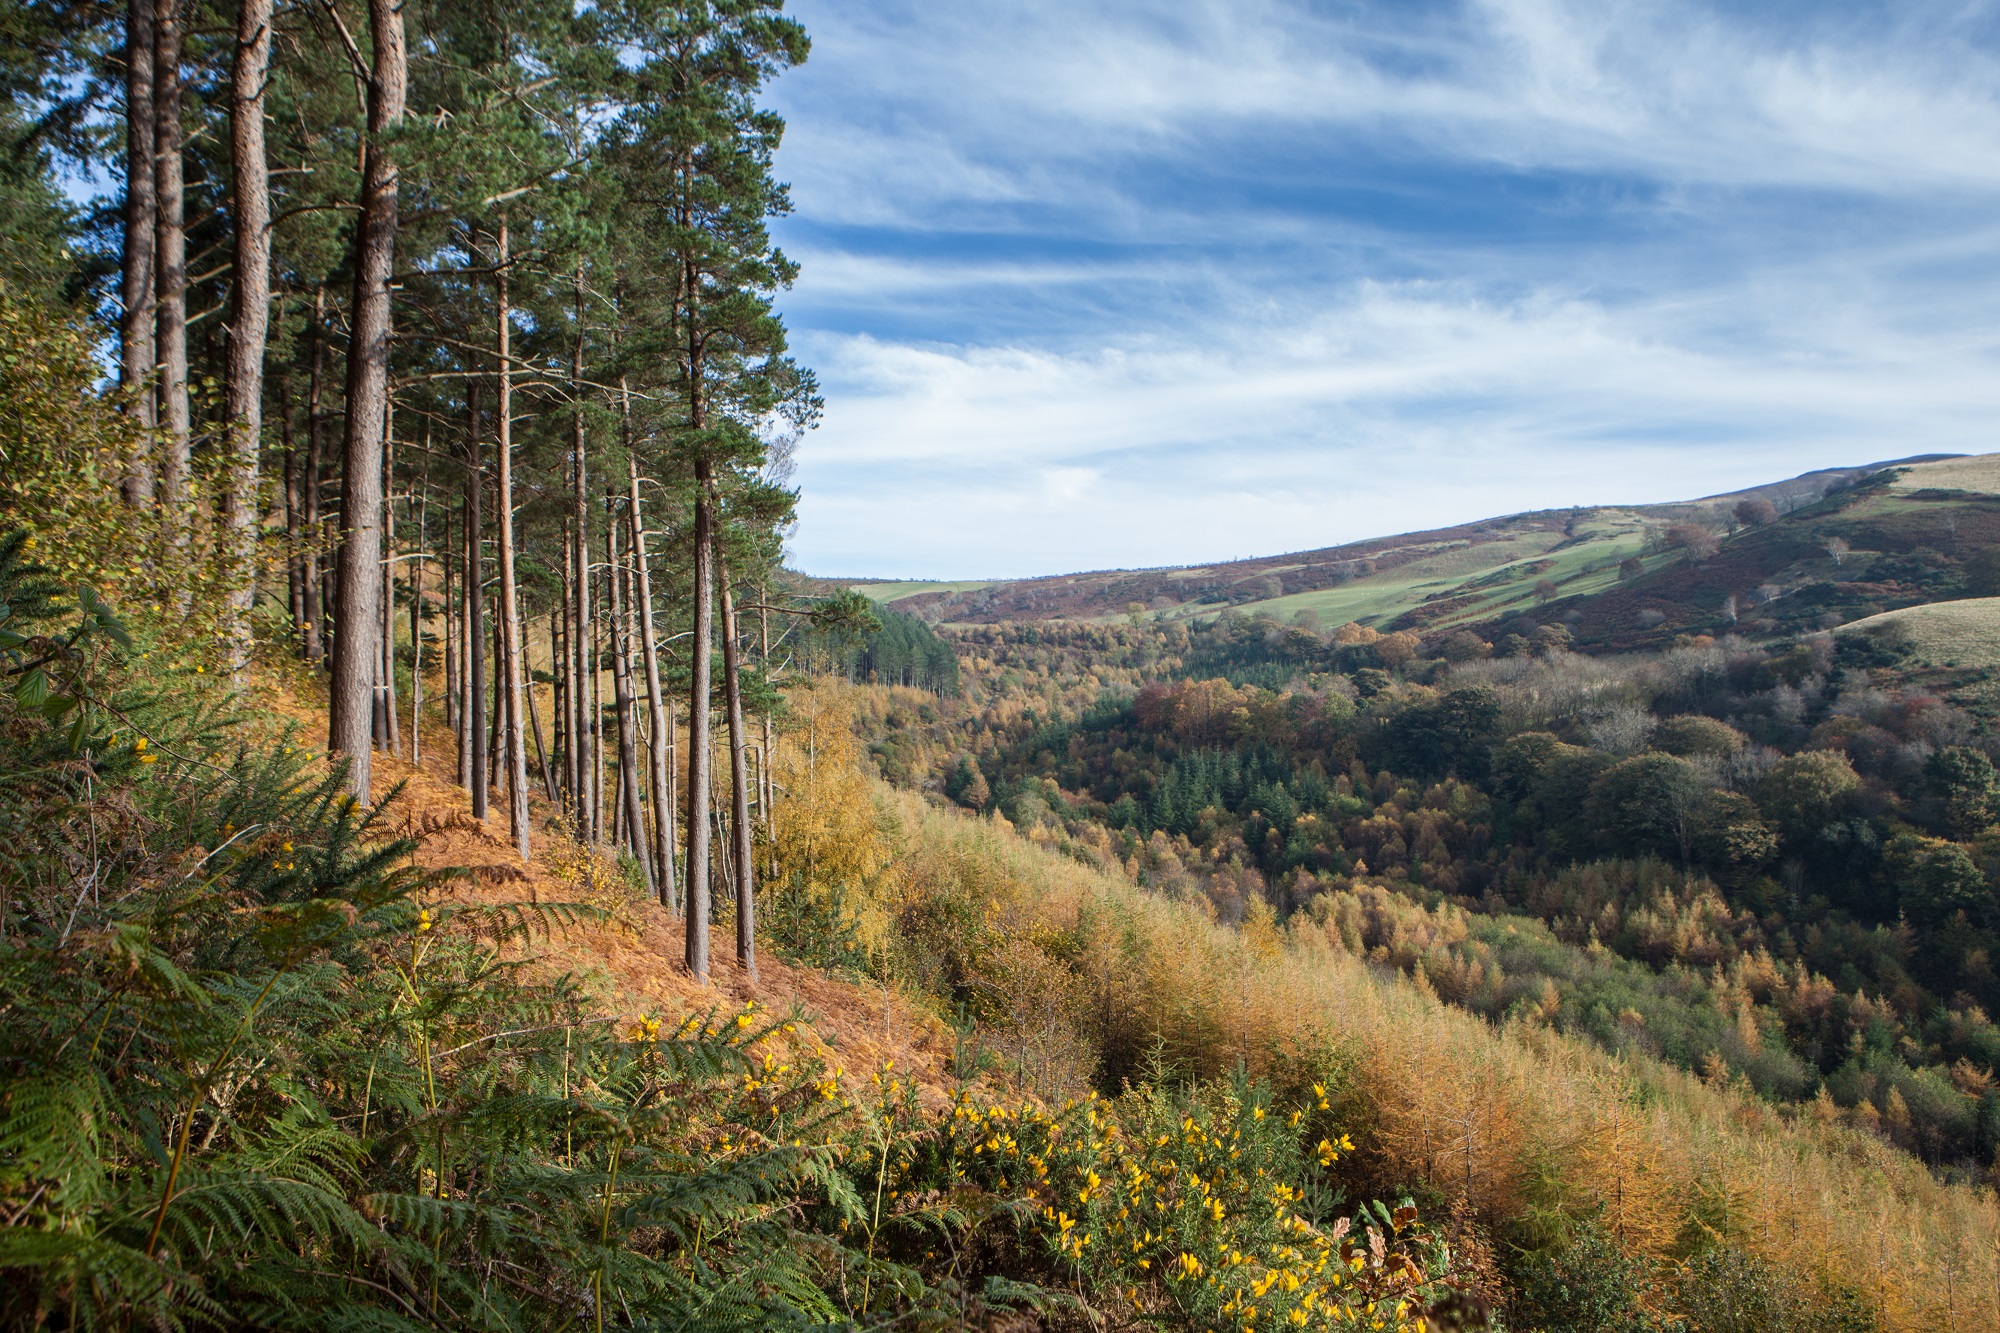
[632, 964]
[1477, 573]
[883, 593]
[1518, 1120]
[1951, 649]
[1944, 634]
[1887, 524]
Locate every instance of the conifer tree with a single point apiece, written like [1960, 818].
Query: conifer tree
[250, 201]
[694, 150]
[356, 645]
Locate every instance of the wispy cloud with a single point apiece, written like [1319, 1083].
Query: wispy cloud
[1106, 283]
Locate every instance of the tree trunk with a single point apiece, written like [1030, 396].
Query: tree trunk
[656, 704]
[450, 637]
[170, 259]
[243, 378]
[510, 611]
[558, 692]
[295, 576]
[597, 719]
[392, 732]
[535, 725]
[496, 734]
[739, 783]
[621, 674]
[586, 665]
[315, 644]
[768, 784]
[696, 887]
[417, 570]
[474, 763]
[367, 398]
[566, 676]
[135, 325]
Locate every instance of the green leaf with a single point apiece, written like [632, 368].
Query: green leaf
[32, 690]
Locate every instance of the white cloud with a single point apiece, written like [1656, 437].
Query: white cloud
[1084, 288]
[1431, 405]
[1015, 96]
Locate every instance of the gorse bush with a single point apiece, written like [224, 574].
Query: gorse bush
[1207, 1207]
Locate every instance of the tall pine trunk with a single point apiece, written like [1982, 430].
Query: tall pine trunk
[563, 653]
[450, 637]
[392, 738]
[135, 325]
[585, 690]
[628, 720]
[769, 784]
[355, 644]
[418, 568]
[243, 378]
[315, 587]
[516, 750]
[472, 762]
[739, 783]
[660, 723]
[170, 266]
[295, 583]
[696, 888]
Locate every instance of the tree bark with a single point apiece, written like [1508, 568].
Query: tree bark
[535, 726]
[243, 376]
[496, 735]
[417, 570]
[586, 664]
[170, 267]
[566, 678]
[768, 784]
[135, 325]
[315, 614]
[621, 674]
[598, 649]
[295, 576]
[354, 647]
[510, 611]
[392, 736]
[696, 885]
[745, 873]
[656, 705]
[450, 637]
[473, 764]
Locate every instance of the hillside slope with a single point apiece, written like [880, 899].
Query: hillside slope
[1897, 539]
[1468, 572]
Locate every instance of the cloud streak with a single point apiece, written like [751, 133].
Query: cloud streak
[1105, 284]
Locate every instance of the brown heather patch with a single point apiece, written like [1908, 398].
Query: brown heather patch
[631, 963]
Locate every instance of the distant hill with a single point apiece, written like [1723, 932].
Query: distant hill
[1896, 537]
[1536, 564]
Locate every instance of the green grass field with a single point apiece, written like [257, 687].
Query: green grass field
[1944, 634]
[1979, 473]
[883, 593]
[1463, 569]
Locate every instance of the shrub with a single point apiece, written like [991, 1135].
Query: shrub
[1590, 1284]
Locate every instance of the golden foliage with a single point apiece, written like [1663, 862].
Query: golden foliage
[829, 838]
[1528, 1126]
[65, 449]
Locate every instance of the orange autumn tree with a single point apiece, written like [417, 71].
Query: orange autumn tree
[828, 857]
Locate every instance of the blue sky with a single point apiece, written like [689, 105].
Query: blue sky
[1100, 283]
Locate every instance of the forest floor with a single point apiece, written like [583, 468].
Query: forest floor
[630, 960]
